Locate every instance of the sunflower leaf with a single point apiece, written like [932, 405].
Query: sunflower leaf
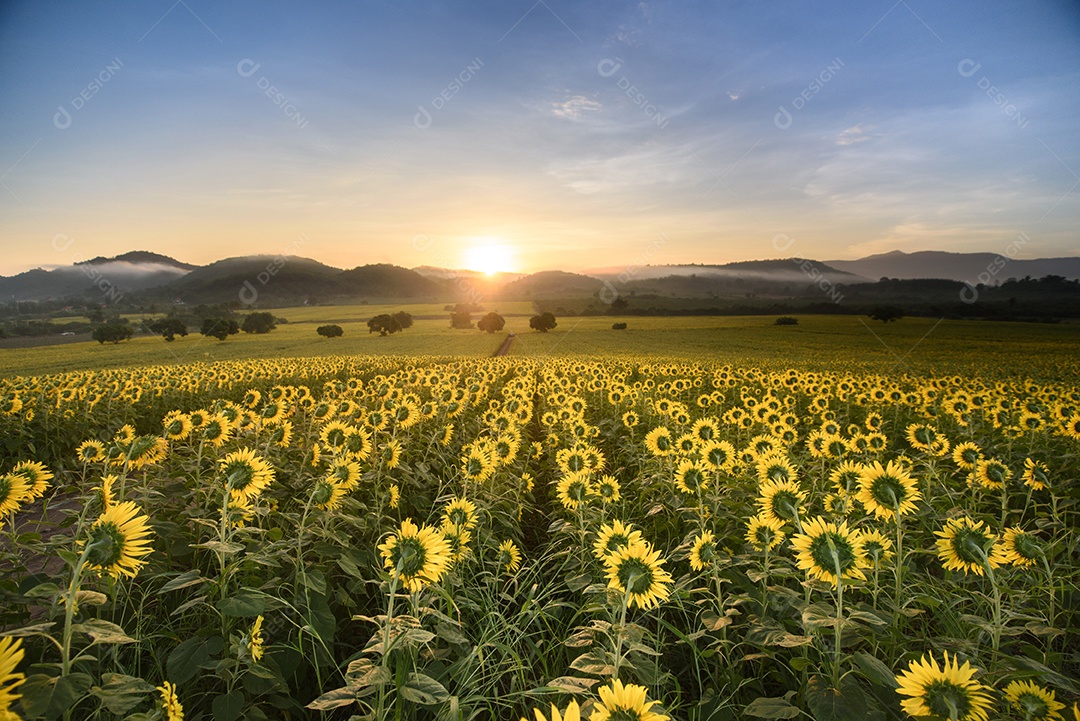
[423, 690]
[772, 707]
[103, 631]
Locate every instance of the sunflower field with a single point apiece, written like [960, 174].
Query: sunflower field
[558, 539]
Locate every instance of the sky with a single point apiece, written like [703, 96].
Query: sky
[527, 135]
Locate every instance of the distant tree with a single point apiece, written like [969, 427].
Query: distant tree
[618, 326]
[619, 305]
[112, 333]
[168, 328]
[460, 319]
[330, 331]
[384, 323]
[886, 313]
[543, 322]
[786, 320]
[259, 323]
[220, 328]
[403, 319]
[491, 323]
[95, 313]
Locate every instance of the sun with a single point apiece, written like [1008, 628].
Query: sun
[489, 256]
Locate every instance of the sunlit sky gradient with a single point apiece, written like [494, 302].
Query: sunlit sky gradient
[577, 135]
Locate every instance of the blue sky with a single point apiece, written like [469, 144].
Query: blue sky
[565, 135]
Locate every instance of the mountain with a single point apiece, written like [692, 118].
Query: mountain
[383, 280]
[99, 279]
[972, 268]
[551, 284]
[262, 279]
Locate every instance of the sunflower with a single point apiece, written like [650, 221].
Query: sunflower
[14, 489]
[629, 702]
[825, 550]
[608, 489]
[574, 490]
[887, 491]
[966, 455]
[845, 477]
[356, 443]
[90, 451]
[691, 477]
[419, 555]
[246, 474]
[460, 512]
[345, 473]
[717, 455]
[280, 434]
[1036, 474]
[509, 556]
[765, 532]
[119, 540]
[703, 552]
[103, 494]
[922, 436]
[170, 703]
[395, 495]
[630, 419]
[635, 571]
[176, 425]
[216, 430]
[332, 435]
[255, 640]
[11, 654]
[658, 441]
[967, 545]
[876, 546]
[1021, 547]
[477, 465]
[992, 473]
[614, 536]
[838, 504]
[943, 692]
[327, 494]
[1033, 701]
[458, 539]
[572, 713]
[781, 499]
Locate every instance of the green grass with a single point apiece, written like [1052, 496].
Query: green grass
[923, 346]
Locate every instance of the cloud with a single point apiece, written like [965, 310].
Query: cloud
[575, 107]
[854, 134]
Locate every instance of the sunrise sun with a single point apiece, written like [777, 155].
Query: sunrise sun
[489, 256]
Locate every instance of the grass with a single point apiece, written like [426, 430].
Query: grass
[923, 346]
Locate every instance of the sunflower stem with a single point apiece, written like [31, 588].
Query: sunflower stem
[622, 627]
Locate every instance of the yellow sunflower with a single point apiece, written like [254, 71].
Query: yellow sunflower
[947, 692]
[345, 473]
[419, 555]
[11, 655]
[572, 713]
[992, 473]
[765, 532]
[703, 551]
[781, 499]
[619, 703]
[327, 494]
[246, 474]
[718, 455]
[658, 441]
[966, 455]
[969, 546]
[171, 707]
[255, 640]
[458, 539]
[1021, 547]
[887, 491]
[636, 570]
[574, 490]
[176, 425]
[90, 451]
[14, 489]
[509, 556]
[614, 536]
[460, 512]
[1036, 474]
[827, 550]
[691, 477]
[1033, 701]
[119, 541]
[876, 546]
[607, 488]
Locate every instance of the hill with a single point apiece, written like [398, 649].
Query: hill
[99, 279]
[971, 268]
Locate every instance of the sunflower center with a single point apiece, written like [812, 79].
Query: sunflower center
[833, 553]
[887, 491]
[948, 700]
[635, 576]
[239, 476]
[409, 556]
[1034, 706]
[968, 546]
[784, 504]
[623, 714]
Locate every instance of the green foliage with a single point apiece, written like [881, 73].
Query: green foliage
[112, 332]
[220, 328]
[383, 324]
[330, 331]
[886, 313]
[786, 320]
[543, 322]
[262, 322]
[168, 328]
[491, 323]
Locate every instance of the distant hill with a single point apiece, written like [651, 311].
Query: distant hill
[383, 280]
[965, 267]
[551, 284]
[103, 279]
[262, 279]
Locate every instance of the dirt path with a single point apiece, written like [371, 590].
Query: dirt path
[505, 347]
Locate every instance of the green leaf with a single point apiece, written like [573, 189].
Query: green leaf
[714, 622]
[44, 590]
[334, 699]
[103, 631]
[67, 692]
[847, 703]
[594, 662]
[423, 690]
[121, 693]
[90, 598]
[185, 579]
[38, 629]
[224, 547]
[362, 673]
[244, 603]
[868, 617]
[228, 706]
[875, 671]
[772, 707]
[186, 659]
[36, 692]
[572, 684]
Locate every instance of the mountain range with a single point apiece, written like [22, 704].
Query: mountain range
[141, 277]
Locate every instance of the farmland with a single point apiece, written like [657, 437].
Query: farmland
[735, 518]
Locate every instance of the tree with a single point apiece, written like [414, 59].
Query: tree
[786, 320]
[220, 328]
[384, 323]
[886, 313]
[618, 326]
[460, 319]
[403, 319]
[330, 331]
[112, 333]
[168, 328]
[543, 322]
[491, 323]
[259, 323]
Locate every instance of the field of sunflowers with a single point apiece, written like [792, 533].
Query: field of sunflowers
[390, 537]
